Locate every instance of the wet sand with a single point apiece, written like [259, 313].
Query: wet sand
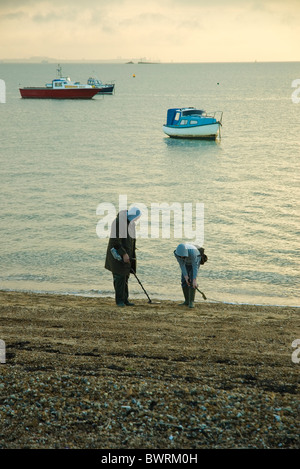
[82, 373]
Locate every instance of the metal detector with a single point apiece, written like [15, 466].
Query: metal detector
[150, 301]
[204, 297]
[119, 258]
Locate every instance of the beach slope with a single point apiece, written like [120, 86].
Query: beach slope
[82, 373]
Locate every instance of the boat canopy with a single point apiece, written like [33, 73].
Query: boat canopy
[94, 81]
[189, 111]
[171, 115]
[192, 112]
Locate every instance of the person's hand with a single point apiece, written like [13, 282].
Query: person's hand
[126, 258]
[187, 280]
[195, 285]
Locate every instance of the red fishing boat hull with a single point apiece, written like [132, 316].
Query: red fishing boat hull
[49, 93]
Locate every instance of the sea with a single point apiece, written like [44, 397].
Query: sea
[69, 165]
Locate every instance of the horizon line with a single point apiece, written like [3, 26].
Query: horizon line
[45, 60]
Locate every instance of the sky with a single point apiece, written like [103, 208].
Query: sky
[155, 30]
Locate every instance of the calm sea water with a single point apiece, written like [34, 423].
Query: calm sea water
[61, 159]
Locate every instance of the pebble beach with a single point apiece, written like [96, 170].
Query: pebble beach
[82, 373]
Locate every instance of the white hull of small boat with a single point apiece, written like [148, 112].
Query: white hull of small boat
[208, 131]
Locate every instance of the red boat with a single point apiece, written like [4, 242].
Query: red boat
[60, 88]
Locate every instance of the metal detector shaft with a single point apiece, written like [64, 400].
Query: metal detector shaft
[204, 297]
[141, 285]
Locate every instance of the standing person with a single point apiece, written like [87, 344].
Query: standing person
[189, 260]
[123, 240]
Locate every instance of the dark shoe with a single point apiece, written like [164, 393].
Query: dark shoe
[121, 304]
[128, 303]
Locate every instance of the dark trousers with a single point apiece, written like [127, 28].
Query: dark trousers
[121, 288]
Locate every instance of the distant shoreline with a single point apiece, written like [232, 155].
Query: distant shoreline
[129, 62]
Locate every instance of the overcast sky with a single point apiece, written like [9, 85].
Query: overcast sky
[168, 30]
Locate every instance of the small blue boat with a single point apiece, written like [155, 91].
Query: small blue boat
[103, 88]
[188, 122]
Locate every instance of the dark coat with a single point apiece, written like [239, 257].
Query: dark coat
[124, 243]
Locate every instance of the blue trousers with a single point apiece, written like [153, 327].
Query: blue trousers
[189, 269]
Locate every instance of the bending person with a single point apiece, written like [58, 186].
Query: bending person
[189, 258]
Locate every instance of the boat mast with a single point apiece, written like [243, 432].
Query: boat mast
[59, 71]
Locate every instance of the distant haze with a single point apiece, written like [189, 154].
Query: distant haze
[168, 31]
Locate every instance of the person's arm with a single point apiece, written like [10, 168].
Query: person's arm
[119, 242]
[194, 255]
[182, 267]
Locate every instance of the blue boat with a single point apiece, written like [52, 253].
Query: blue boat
[103, 88]
[189, 122]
